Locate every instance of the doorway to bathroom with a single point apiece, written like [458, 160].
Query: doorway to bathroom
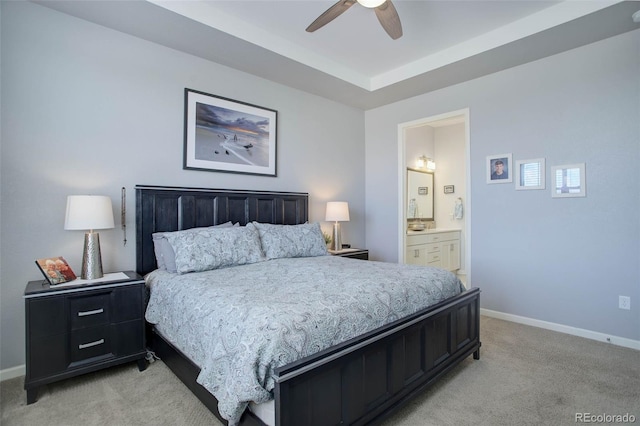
[440, 145]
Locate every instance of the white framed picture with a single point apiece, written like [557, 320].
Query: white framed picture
[499, 168]
[568, 180]
[530, 174]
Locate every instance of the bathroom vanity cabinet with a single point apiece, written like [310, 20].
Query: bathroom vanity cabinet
[434, 248]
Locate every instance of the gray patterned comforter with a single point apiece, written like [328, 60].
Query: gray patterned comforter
[240, 323]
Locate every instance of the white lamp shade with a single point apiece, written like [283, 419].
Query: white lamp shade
[337, 211]
[88, 212]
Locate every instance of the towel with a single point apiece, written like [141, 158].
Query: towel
[457, 210]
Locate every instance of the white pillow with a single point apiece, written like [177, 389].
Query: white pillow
[279, 241]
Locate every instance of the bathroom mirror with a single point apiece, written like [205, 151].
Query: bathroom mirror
[419, 196]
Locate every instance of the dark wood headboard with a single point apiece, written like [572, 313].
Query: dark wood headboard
[164, 209]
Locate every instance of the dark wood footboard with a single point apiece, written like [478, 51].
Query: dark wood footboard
[366, 379]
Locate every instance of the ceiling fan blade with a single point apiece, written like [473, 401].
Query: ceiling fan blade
[389, 19]
[330, 14]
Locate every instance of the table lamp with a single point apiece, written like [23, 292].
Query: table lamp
[337, 211]
[89, 212]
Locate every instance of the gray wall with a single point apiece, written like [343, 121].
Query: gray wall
[89, 110]
[559, 260]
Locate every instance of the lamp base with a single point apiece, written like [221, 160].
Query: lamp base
[337, 237]
[91, 257]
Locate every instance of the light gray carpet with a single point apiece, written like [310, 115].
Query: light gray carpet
[525, 376]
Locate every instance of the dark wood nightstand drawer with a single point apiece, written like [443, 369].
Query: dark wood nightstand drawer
[89, 311]
[90, 343]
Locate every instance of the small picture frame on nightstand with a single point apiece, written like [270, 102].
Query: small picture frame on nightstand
[56, 270]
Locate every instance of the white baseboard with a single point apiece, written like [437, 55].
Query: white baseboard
[588, 334]
[12, 373]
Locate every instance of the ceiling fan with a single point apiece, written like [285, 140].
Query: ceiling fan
[385, 11]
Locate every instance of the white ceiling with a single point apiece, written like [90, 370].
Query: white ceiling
[352, 60]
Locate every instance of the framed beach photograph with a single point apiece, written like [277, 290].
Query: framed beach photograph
[56, 270]
[224, 135]
[499, 168]
[568, 181]
[530, 174]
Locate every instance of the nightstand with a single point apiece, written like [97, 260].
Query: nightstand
[361, 254]
[81, 327]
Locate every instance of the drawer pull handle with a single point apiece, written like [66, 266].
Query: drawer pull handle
[88, 345]
[94, 312]
[416, 253]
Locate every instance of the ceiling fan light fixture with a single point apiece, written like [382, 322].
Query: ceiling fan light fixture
[385, 12]
[371, 3]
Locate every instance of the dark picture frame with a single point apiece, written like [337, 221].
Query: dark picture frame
[225, 135]
[449, 189]
[56, 270]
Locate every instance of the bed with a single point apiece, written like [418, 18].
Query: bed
[360, 380]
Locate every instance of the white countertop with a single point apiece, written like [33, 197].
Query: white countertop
[430, 231]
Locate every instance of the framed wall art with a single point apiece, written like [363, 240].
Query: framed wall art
[224, 135]
[499, 168]
[449, 189]
[568, 181]
[530, 174]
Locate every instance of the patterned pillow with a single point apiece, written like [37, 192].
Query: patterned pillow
[165, 257]
[278, 241]
[215, 248]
